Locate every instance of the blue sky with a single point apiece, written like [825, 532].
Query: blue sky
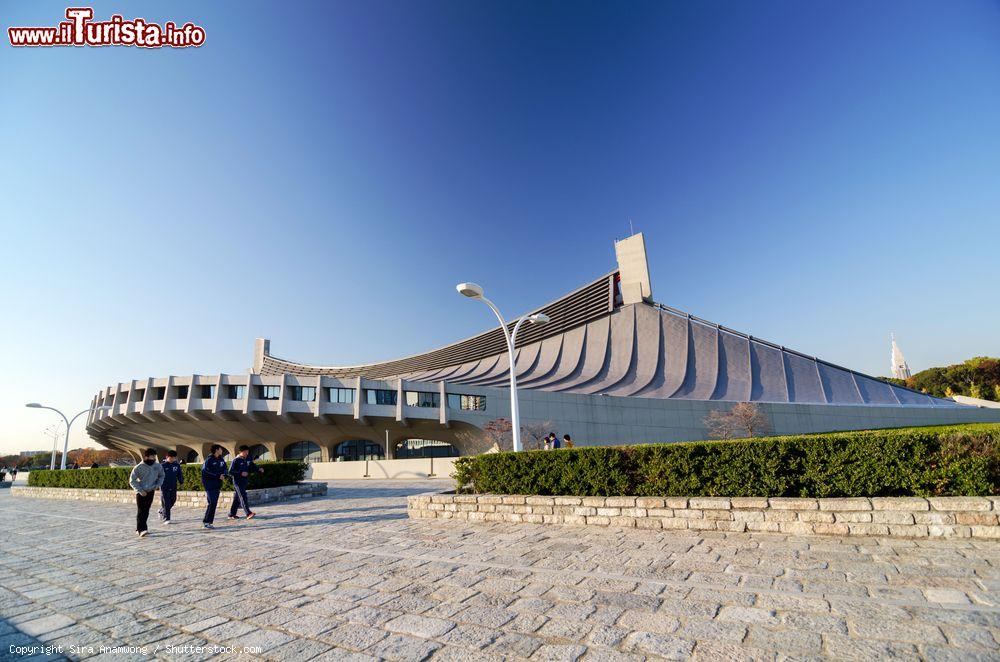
[816, 174]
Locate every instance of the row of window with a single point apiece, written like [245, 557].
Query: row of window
[349, 451]
[373, 396]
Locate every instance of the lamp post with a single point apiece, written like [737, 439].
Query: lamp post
[69, 422]
[474, 291]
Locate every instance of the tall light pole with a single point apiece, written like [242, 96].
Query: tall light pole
[474, 291]
[69, 422]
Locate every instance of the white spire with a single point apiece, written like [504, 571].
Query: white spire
[899, 368]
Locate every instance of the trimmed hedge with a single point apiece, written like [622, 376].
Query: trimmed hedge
[116, 478]
[960, 460]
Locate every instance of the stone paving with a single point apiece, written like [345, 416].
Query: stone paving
[350, 577]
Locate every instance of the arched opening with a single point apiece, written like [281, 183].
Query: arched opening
[191, 457]
[260, 452]
[358, 449]
[415, 448]
[303, 451]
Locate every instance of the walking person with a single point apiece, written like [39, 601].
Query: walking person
[13, 474]
[567, 442]
[146, 478]
[555, 441]
[240, 471]
[173, 479]
[212, 472]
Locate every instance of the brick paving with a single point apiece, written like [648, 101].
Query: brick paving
[350, 577]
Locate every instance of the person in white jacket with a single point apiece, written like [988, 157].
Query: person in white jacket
[146, 478]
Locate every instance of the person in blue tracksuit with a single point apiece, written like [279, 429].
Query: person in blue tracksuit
[212, 473]
[173, 480]
[240, 471]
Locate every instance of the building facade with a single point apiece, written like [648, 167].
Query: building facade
[611, 367]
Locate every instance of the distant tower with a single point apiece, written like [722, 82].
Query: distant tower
[899, 368]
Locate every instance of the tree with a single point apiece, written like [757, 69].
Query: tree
[979, 377]
[496, 436]
[744, 419]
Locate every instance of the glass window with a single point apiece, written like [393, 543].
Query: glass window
[159, 392]
[269, 392]
[236, 391]
[181, 391]
[380, 396]
[341, 395]
[422, 399]
[260, 452]
[304, 451]
[207, 391]
[467, 402]
[303, 393]
[413, 448]
[140, 393]
[359, 449]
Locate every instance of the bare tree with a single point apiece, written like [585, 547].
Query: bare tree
[533, 435]
[496, 436]
[744, 419]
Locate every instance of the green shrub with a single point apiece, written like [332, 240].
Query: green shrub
[116, 478]
[960, 460]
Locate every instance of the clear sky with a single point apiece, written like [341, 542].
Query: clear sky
[817, 174]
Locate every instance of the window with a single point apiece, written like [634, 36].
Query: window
[260, 452]
[342, 395]
[140, 393]
[269, 392]
[236, 391]
[181, 392]
[302, 393]
[380, 396]
[359, 449]
[122, 396]
[467, 402]
[159, 392]
[207, 391]
[304, 451]
[413, 448]
[422, 399]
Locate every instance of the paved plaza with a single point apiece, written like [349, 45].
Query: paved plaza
[350, 577]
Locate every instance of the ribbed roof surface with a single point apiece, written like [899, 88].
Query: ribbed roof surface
[641, 350]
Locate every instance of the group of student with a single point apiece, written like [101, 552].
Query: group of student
[149, 476]
[552, 442]
[4, 471]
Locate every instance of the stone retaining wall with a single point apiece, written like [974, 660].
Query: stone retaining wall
[185, 499]
[895, 517]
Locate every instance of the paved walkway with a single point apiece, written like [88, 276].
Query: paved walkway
[349, 577]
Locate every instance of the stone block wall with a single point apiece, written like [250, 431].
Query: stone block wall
[185, 499]
[894, 517]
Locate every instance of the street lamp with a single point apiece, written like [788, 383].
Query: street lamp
[69, 422]
[474, 291]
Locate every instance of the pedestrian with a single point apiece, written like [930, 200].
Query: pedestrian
[555, 441]
[240, 471]
[146, 478]
[567, 442]
[3, 474]
[13, 474]
[212, 472]
[95, 465]
[173, 479]
[547, 443]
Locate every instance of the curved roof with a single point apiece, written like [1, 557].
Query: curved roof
[597, 345]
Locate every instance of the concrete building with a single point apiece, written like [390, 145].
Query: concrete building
[899, 368]
[612, 366]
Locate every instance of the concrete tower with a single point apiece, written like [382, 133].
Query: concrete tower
[899, 368]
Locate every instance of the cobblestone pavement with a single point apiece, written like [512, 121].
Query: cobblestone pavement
[350, 577]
